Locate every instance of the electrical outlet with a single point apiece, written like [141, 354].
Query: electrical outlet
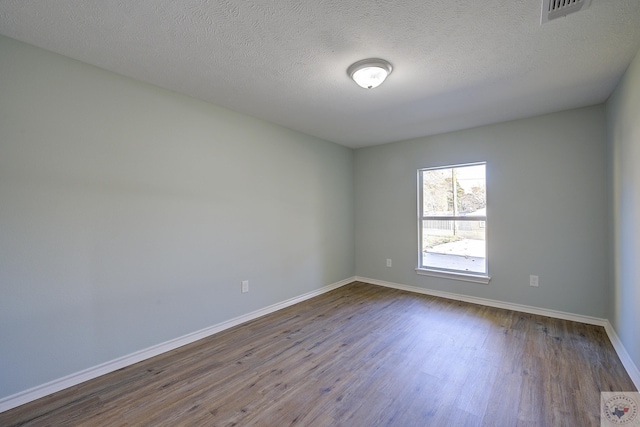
[245, 286]
[533, 281]
[388, 262]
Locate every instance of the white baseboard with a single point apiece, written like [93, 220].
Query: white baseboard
[626, 360]
[490, 303]
[624, 356]
[59, 384]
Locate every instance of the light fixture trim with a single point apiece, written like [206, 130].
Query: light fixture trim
[370, 73]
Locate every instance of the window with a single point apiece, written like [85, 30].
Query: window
[452, 222]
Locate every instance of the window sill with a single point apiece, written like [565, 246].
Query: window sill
[476, 278]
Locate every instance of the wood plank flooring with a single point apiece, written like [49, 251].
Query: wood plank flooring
[361, 355]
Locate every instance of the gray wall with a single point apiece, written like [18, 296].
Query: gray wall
[129, 215]
[623, 109]
[547, 209]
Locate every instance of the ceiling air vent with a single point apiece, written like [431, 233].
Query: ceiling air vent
[552, 9]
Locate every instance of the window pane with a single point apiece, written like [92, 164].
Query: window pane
[472, 195]
[454, 191]
[437, 192]
[454, 245]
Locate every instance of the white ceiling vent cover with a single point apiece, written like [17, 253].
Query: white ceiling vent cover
[552, 9]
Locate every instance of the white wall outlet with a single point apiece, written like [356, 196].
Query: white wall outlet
[245, 286]
[388, 262]
[533, 281]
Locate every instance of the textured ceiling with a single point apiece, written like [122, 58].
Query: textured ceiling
[457, 63]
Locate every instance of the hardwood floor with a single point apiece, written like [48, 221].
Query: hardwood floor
[361, 355]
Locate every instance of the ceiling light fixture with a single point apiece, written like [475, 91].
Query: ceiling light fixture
[369, 73]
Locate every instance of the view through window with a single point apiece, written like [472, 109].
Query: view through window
[453, 217]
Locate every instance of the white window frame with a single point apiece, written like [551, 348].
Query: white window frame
[445, 273]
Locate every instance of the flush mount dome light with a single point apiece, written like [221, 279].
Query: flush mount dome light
[369, 73]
